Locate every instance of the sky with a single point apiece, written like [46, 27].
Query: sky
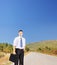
[37, 18]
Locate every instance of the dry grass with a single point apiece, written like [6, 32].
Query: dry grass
[5, 60]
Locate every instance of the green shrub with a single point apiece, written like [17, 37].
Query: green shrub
[5, 47]
[27, 49]
[40, 49]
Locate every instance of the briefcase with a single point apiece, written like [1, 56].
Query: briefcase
[13, 57]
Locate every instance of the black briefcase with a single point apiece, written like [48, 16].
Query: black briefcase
[13, 57]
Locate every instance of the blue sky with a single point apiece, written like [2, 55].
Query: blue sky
[38, 19]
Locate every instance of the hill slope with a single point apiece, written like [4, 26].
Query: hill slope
[49, 47]
[5, 47]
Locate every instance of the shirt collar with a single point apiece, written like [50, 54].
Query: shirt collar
[20, 37]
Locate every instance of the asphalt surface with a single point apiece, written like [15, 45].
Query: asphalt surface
[34, 58]
[39, 59]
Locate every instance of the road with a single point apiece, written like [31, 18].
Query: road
[34, 58]
[39, 59]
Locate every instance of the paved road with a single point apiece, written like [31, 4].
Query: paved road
[39, 59]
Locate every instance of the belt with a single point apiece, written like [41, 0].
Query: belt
[19, 49]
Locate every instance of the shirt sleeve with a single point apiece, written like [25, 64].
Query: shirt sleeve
[15, 42]
[24, 42]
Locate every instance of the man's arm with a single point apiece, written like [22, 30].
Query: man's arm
[14, 49]
[14, 45]
[24, 44]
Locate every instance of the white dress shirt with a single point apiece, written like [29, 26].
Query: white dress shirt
[16, 42]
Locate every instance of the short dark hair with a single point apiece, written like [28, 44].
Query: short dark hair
[20, 31]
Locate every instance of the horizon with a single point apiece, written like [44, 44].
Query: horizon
[31, 42]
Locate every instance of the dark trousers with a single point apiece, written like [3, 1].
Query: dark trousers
[20, 57]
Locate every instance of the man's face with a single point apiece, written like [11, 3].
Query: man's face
[20, 33]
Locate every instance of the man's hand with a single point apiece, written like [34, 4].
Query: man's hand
[14, 52]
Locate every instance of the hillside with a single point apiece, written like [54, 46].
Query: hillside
[6, 47]
[49, 47]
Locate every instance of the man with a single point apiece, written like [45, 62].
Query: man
[19, 47]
